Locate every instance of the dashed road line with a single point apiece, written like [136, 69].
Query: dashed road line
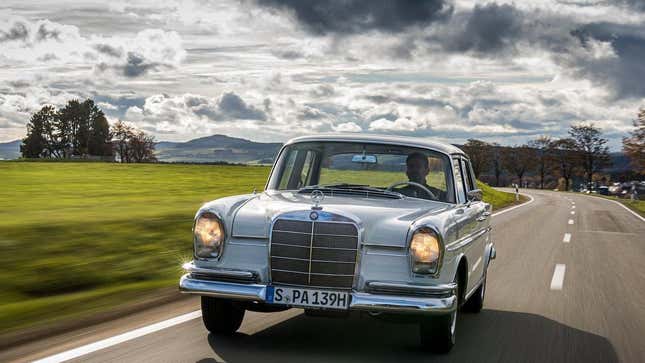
[558, 277]
[566, 238]
[573, 212]
[570, 221]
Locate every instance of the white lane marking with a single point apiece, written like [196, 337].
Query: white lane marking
[570, 221]
[573, 212]
[567, 238]
[558, 277]
[476, 264]
[517, 206]
[117, 339]
[573, 207]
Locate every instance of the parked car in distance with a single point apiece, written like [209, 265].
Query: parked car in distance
[391, 226]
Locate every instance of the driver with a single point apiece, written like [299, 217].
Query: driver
[417, 169]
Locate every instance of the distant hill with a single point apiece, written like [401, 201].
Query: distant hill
[10, 150]
[217, 148]
[237, 150]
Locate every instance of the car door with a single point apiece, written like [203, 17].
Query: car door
[465, 219]
[481, 212]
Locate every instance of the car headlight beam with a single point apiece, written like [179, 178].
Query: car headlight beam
[208, 236]
[425, 251]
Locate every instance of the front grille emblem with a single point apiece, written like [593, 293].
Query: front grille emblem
[313, 216]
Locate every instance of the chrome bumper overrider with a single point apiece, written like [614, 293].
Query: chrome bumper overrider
[407, 299]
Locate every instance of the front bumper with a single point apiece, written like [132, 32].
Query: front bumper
[379, 297]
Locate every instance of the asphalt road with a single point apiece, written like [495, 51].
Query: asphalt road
[591, 308]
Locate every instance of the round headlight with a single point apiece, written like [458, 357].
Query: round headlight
[425, 251]
[208, 236]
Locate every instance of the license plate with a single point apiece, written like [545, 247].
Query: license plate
[295, 296]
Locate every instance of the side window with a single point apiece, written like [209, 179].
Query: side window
[468, 175]
[459, 182]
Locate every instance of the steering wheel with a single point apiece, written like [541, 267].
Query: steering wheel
[414, 184]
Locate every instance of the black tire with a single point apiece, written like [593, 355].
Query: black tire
[438, 333]
[221, 317]
[475, 303]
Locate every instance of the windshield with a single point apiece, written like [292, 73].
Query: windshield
[413, 172]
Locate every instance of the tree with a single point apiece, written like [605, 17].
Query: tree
[478, 151]
[634, 145]
[518, 160]
[592, 147]
[34, 144]
[142, 147]
[132, 145]
[565, 159]
[541, 148]
[121, 134]
[99, 142]
[68, 127]
[496, 153]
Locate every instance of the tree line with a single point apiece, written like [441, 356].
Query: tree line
[80, 130]
[556, 161]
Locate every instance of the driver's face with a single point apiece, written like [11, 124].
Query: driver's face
[417, 171]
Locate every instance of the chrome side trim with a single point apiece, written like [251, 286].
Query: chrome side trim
[466, 240]
[470, 293]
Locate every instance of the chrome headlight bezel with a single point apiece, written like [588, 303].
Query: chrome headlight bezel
[424, 268]
[201, 250]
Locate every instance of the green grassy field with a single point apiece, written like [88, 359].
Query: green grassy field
[79, 238]
[76, 233]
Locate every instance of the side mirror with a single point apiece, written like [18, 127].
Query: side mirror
[475, 195]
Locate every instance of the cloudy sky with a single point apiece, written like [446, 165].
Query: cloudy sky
[268, 70]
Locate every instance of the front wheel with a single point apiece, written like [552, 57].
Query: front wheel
[438, 333]
[220, 316]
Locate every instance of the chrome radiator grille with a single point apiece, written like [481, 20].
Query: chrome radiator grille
[313, 253]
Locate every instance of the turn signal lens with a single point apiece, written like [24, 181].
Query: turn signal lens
[425, 251]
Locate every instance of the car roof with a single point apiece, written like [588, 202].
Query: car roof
[420, 142]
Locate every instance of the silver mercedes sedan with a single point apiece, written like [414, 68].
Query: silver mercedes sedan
[391, 226]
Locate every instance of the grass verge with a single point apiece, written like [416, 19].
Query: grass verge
[497, 198]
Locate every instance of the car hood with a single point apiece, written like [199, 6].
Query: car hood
[384, 221]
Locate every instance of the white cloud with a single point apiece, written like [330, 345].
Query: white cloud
[47, 43]
[169, 66]
[347, 127]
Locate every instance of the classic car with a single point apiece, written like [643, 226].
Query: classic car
[391, 226]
